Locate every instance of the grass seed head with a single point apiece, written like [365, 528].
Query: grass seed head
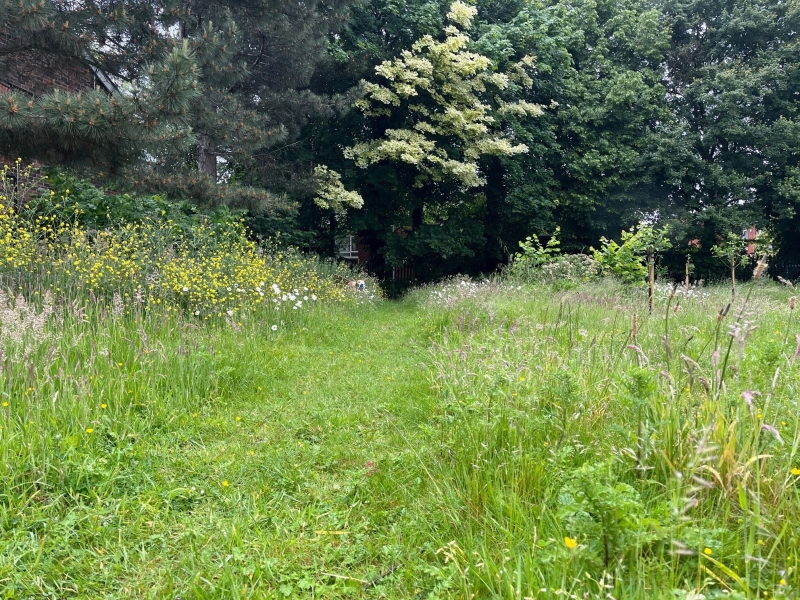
[760, 267]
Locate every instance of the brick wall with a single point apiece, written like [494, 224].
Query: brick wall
[38, 73]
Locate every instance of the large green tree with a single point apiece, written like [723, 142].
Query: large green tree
[176, 127]
[432, 115]
[682, 112]
[597, 71]
[159, 82]
[729, 155]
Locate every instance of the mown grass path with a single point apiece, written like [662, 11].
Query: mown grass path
[491, 448]
[300, 477]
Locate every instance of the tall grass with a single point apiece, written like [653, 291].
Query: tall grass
[113, 341]
[590, 449]
[486, 440]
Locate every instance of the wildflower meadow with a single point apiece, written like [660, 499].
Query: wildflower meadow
[186, 412]
[400, 299]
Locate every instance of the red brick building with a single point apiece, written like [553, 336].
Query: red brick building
[37, 73]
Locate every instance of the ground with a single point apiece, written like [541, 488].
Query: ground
[472, 440]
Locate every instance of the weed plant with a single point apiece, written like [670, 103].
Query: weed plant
[114, 343]
[143, 257]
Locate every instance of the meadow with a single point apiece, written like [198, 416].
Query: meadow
[166, 436]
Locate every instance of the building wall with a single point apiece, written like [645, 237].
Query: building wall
[37, 73]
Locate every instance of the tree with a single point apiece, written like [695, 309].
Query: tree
[446, 136]
[727, 157]
[250, 63]
[598, 69]
[90, 124]
[438, 112]
[734, 251]
[683, 112]
[627, 260]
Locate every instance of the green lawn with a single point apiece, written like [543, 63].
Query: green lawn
[413, 449]
[288, 465]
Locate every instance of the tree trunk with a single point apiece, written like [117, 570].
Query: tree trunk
[206, 158]
[686, 284]
[417, 216]
[333, 246]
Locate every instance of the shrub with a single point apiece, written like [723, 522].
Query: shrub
[569, 270]
[538, 263]
[141, 251]
[525, 264]
[627, 260]
[70, 199]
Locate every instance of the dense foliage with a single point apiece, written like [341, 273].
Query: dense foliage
[200, 91]
[681, 113]
[143, 253]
